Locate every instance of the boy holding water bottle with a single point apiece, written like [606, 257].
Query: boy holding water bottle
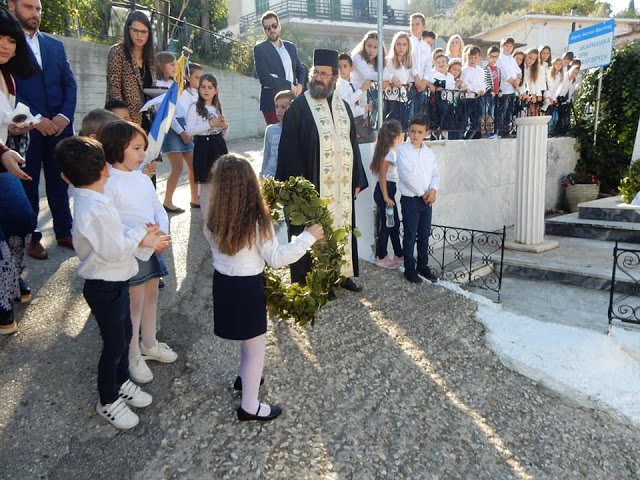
[418, 182]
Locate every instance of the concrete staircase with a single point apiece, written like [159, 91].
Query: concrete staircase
[585, 255]
[603, 219]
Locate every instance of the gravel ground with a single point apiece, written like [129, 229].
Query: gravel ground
[394, 382]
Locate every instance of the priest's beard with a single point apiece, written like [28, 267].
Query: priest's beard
[317, 89]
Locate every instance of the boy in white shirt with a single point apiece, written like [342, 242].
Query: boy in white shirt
[418, 182]
[272, 134]
[421, 56]
[355, 97]
[105, 249]
[472, 78]
[510, 80]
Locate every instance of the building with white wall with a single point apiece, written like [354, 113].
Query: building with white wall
[347, 20]
[535, 29]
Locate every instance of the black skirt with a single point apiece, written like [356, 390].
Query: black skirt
[206, 151]
[239, 306]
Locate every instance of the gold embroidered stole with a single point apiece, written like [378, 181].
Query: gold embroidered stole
[336, 165]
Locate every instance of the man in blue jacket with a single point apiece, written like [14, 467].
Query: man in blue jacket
[277, 65]
[51, 94]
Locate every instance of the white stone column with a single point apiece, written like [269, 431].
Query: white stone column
[531, 170]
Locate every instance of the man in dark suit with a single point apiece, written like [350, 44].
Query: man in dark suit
[277, 65]
[51, 94]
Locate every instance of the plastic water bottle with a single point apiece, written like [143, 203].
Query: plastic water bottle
[390, 221]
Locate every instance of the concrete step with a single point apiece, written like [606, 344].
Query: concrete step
[572, 225]
[581, 262]
[609, 209]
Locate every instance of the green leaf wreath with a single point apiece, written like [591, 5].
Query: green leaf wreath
[304, 207]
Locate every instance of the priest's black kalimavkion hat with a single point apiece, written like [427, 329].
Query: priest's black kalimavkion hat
[326, 58]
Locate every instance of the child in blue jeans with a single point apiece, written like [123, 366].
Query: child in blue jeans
[418, 181]
[384, 167]
[105, 248]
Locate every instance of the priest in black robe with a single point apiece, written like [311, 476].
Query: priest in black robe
[299, 153]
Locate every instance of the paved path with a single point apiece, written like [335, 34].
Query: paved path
[395, 382]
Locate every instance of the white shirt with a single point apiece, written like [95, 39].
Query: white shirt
[509, 69]
[450, 83]
[34, 44]
[473, 78]
[354, 96]
[103, 244]
[251, 261]
[421, 53]
[134, 197]
[392, 169]
[362, 71]
[537, 87]
[417, 170]
[198, 125]
[286, 61]
[404, 74]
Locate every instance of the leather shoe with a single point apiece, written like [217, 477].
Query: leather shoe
[244, 415]
[66, 242]
[331, 295]
[36, 250]
[428, 274]
[352, 286]
[237, 385]
[413, 277]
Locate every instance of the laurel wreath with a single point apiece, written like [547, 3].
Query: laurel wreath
[304, 206]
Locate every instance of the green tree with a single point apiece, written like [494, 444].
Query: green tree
[630, 12]
[563, 7]
[490, 7]
[609, 158]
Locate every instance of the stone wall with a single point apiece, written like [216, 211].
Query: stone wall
[239, 94]
[477, 188]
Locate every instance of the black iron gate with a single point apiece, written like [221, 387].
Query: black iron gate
[468, 257]
[624, 299]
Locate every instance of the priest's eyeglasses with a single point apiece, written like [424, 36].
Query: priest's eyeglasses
[323, 75]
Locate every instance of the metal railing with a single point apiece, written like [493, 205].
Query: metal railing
[455, 114]
[624, 298]
[468, 257]
[327, 11]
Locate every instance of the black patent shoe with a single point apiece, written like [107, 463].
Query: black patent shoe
[352, 286]
[237, 385]
[244, 416]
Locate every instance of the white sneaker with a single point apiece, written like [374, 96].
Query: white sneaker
[118, 414]
[139, 371]
[134, 395]
[160, 352]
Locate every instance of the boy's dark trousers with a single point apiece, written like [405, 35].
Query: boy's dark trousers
[109, 303]
[416, 221]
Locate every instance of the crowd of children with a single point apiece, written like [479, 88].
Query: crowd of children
[461, 98]
[121, 228]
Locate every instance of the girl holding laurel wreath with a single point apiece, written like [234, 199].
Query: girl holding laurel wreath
[242, 240]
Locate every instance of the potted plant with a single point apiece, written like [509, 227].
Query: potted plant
[630, 185]
[580, 187]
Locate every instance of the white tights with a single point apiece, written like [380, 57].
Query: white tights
[251, 364]
[144, 300]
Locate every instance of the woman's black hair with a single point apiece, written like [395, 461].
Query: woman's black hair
[148, 52]
[23, 63]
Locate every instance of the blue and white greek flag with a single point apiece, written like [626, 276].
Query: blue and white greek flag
[161, 123]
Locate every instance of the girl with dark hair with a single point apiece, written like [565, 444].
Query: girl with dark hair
[242, 240]
[383, 165]
[365, 59]
[131, 66]
[208, 127]
[17, 218]
[132, 193]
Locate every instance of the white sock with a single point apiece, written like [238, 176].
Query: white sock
[252, 362]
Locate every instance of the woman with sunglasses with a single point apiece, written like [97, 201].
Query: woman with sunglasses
[131, 66]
